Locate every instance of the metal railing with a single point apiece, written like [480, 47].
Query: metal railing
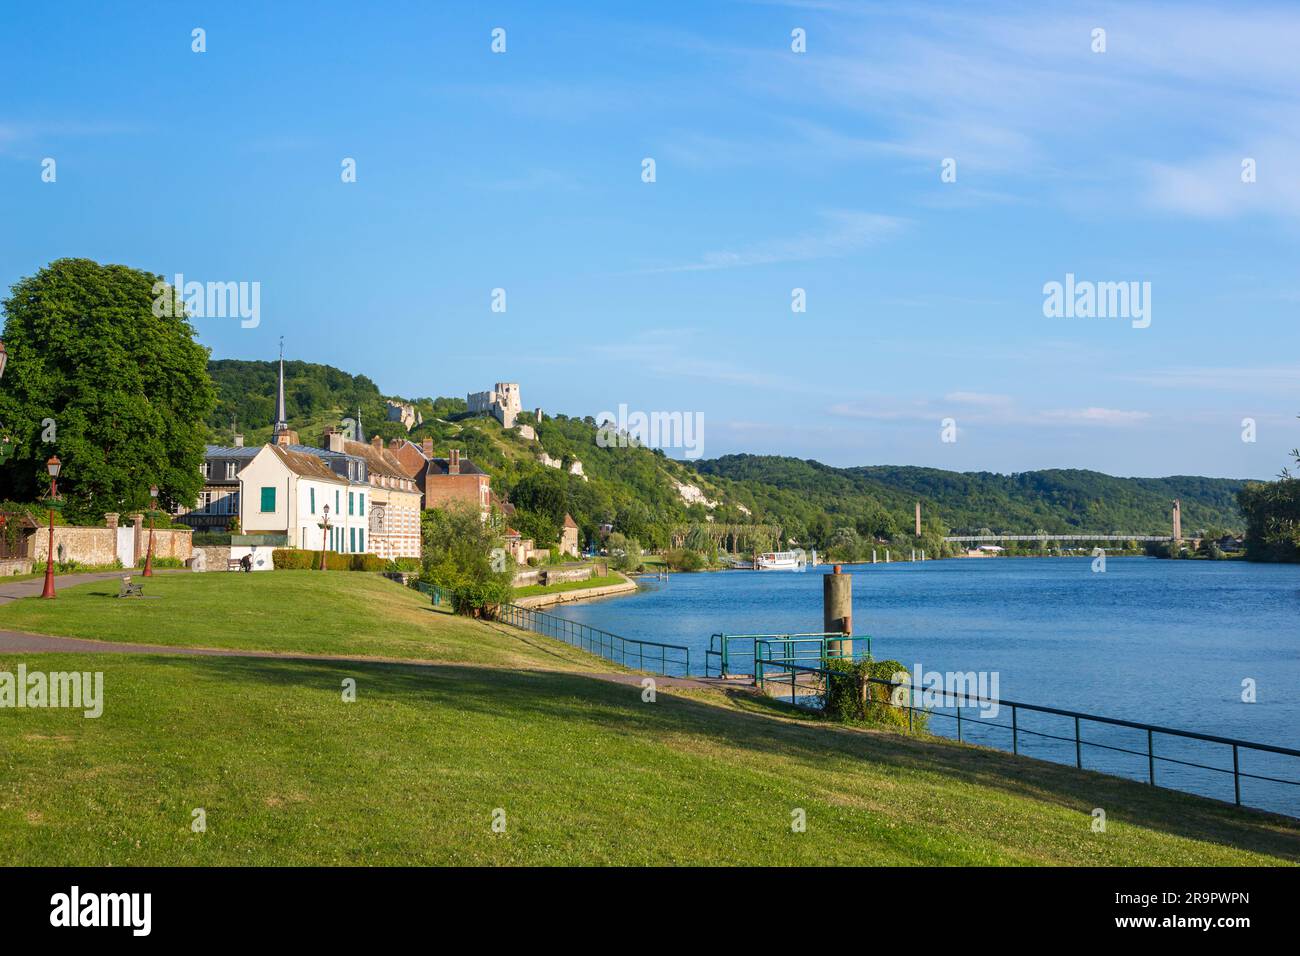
[669, 660]
[731, 652]
[811, 692]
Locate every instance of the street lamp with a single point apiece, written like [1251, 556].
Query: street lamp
[324, 535]
[52, 466]
[153, 506]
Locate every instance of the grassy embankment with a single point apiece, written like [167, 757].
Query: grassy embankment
[412, 771]
[596, 581]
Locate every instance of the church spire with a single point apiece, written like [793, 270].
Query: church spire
[280, 425]
[361, 434]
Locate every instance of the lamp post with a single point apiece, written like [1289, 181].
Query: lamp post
[52, 466]
[324, 535]
[153, 506]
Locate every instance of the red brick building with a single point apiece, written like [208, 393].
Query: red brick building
[444, 480]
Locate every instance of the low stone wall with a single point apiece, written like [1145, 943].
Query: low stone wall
[561, 575]
[210, 557]
[12, 566]
[581, 594]
[98, 546]
[526, 577]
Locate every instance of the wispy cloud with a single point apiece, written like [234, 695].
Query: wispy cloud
[844, 232]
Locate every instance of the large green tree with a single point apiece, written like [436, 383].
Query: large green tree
[118, 393]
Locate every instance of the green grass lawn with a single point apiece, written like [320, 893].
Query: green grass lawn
[597, 581]
[586, 773]
[343, 613]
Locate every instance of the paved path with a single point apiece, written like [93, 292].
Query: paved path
[32, 587]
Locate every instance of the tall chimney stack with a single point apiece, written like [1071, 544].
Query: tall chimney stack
[453, 463]
[1178, 521]
[918, 519]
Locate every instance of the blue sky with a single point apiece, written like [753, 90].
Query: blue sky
[775, 170]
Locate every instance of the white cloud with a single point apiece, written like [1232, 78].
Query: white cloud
[845, 231]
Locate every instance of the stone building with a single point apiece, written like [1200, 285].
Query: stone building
[404, 413]
[502, 401]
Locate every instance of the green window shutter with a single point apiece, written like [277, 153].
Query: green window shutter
[362, 503]
[313, 500]
[361, 539]
[268, 499]
[352, 539]
[350, 497]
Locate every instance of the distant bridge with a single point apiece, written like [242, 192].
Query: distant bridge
[1058, 537]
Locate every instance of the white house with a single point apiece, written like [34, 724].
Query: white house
[285, 492]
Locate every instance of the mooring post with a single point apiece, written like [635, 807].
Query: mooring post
[837, 616]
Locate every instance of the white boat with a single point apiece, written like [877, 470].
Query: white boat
[782, 561]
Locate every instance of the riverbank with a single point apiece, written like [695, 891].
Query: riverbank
[574, 591]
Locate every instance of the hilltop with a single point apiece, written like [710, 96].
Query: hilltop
[649, 496]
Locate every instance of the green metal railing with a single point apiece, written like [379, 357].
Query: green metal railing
[807, 688]
[669, 660]
[734, 655]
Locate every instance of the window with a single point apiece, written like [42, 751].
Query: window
[230, 469]
[313, 500]
[336, 502]
[352, 539]
[268, 500]
[350, 497]
[234, 502]
[206, 469]
[205, 500]
[361, 504]
[361, 539]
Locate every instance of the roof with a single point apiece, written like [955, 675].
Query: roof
[231, 451]
[569, 522]
[438, 466]
[305, 464]
[381, 461]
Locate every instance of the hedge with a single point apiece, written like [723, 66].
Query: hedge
[298, 559]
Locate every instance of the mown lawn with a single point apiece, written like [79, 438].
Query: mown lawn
[599, 581]
[411, 773]
[341, 613]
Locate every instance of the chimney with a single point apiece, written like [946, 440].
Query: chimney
[333, 439]
[453, 463]
[239, 441]
[427, 448]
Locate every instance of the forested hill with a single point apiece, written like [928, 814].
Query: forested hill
[637, 489]
[1050, 500]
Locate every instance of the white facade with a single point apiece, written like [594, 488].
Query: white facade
[286, 493]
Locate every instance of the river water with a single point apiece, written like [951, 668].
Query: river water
[1160, 642]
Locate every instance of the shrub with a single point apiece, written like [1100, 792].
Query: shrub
[683, 559]
[480, 599]
[851, 698]
[299, 559]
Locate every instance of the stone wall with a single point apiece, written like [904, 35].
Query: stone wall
[210, 558]
[561, 575]
[83, 545]
[12, 566]
[98, 546]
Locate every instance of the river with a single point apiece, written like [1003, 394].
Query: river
[1161, 642]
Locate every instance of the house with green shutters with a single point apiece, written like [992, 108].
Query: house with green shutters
[285, 492]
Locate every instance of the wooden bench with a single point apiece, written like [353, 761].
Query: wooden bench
[234, 564]
[130, 590]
